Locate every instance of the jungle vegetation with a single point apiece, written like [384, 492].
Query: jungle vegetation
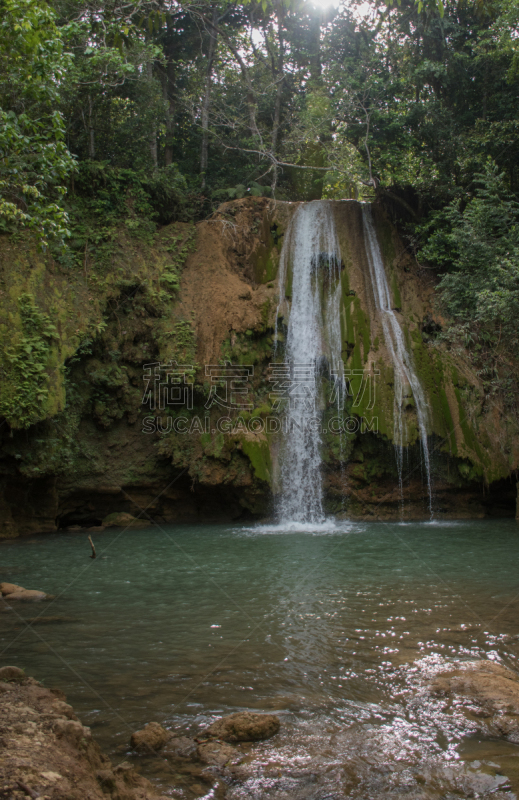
[166, 109]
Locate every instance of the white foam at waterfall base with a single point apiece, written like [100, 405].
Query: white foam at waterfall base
[328, 526]
[401, 357]
[310, 240]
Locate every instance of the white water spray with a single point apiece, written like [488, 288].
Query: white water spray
[400, 356]
[311, 254]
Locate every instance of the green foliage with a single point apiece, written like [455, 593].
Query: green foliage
[107, 198]
[178, 247]
[180, 346]
[35, 162]
[25, 377]
[254, 189]
[479, 245]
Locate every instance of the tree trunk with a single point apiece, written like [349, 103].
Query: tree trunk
[251, 95]
[204, 153]
[279, 76]
[167, 89]
[153, 133]
[91, 133]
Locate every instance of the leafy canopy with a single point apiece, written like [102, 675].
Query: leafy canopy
[34, 160]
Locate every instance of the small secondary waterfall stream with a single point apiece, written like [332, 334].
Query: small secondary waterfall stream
[400, 355]
[311, 257]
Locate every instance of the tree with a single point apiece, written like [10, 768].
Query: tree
[35, 162]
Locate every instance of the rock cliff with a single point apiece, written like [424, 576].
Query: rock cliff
[120, 383]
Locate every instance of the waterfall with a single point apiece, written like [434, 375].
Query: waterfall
[400, 355]
[311, 258]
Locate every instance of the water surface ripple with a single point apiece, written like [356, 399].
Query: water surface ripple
[336, 627]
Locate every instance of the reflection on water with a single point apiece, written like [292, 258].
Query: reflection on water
[334, 628]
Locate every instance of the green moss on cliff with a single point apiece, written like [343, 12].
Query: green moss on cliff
[29, 365]
[50, 308]
[258, 453]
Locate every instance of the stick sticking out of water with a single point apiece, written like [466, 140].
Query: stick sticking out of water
[93, 548]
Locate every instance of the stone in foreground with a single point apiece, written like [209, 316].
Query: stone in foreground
[244, 726]
[490, 691]
[491, 686]
[150, 739]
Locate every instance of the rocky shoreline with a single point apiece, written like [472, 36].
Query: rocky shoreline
[45, 751]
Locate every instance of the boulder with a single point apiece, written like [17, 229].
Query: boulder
[9, 588]
[11, 674]
[495, 689]
[120, 519]
[150, 739]
[27, 594]
[490, 692]
[216, 754]
[244, 726]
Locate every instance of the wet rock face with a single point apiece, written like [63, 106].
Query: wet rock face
[245, 726]
[150, 739]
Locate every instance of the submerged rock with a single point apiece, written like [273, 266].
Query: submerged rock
[179, 747]
[216, 754]
[244, 726]
[150, 739]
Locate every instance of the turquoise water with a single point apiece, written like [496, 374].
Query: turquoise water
[335, 629]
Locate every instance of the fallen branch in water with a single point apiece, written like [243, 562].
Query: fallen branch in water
[93, 548]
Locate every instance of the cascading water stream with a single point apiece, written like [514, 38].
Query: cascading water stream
[311, 254]
[400, 355]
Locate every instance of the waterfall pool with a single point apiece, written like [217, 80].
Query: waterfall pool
[335, 628]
